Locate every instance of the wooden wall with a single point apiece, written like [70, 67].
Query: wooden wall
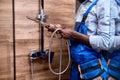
[27, 36]
[6, 40]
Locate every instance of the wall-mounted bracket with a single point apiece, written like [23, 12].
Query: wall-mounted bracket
[35, 55]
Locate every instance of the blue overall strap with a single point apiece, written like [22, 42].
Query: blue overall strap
[82, 28]
[88, 10]
[84, 56]
[118, 2]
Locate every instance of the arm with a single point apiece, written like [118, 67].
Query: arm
[115, 40]
[98, 29]
[68, 33]
[94, 41]
[99, 26]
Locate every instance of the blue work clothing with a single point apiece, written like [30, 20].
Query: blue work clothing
[84, 56]
[114, 46]
[97, 22]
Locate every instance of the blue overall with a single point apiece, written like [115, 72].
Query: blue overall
[85, 56]
[114, 65]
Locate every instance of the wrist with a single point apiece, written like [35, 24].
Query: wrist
[73, 34]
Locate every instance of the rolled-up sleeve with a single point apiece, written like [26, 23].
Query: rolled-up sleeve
[115, 39]
[99, 42]
[98, 23]
[101, 25]
[101, 39]
[114, 43]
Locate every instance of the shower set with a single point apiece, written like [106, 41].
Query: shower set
[34, 55]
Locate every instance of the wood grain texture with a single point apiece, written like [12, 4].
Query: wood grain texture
[6, 40]
[27, 36]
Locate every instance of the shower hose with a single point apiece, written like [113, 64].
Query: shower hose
[49, 52]
[50, 49]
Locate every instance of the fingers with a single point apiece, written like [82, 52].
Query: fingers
[58, 26]
[50, 27]
[66, 33]
[65, 36]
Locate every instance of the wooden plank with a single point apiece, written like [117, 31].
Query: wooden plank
[6, 61]
[6, 40]
[27, 36]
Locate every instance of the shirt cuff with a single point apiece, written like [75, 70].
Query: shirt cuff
[99, 42]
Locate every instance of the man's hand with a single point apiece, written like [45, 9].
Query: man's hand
[66, 33]
[52, 27]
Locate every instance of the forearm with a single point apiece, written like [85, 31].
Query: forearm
[81, 38]
[95, 41]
